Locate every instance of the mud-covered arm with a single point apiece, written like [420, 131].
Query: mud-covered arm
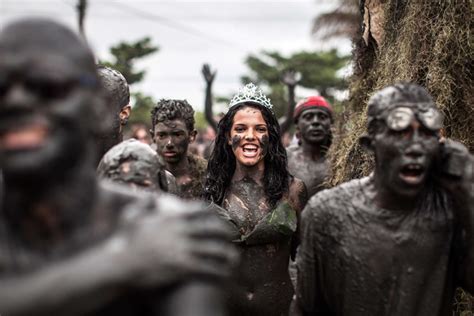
[209, 78]
[308, 299]
[137, 255]
[457, 177]
[290, 79]
[298, 198]
[69, 287]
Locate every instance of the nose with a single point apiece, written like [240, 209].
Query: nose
[315, 120]
[169, 143]
[250, 135]
[17, 97]
[415, 150]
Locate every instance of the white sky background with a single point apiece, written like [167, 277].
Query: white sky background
[190, 33]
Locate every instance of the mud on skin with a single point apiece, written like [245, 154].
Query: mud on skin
[398, 242]
[57, 222]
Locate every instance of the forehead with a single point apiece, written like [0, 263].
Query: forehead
[171, 125]
[314, 110]
[249, 116]
[39, 64]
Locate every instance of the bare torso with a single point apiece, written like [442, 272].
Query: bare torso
[261, 285]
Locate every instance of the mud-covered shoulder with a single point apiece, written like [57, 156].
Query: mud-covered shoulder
[197, 163]
[298, 195]
[332, 204]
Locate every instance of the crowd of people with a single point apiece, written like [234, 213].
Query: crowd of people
[91, 224]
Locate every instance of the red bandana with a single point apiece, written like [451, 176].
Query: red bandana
[314, 101]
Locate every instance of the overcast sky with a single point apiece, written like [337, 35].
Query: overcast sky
[189, 33]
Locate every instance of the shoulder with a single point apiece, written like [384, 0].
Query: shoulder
[292, 150]
[197, 163]
[297, 194]
[333, 203]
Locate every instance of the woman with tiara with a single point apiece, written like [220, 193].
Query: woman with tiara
[247, 177]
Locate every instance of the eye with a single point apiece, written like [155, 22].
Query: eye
[160, 135]
[323, 116]
[239, 129]
[4, 86]
[49, 89]
[178, 134]
[308, 116]
[262, 129]
[425, 132]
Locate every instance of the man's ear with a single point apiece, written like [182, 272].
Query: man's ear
[192, 136]
[125, 114]
[366, 142]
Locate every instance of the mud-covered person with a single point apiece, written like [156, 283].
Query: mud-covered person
[172, 132]
[117, 94]
[399, 241]
[313, 118]
[70, 245]
[248, 178]
[137, 165]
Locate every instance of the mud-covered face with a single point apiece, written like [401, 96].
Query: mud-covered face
[172, 139]
[43, 112]
[249, 136]
[405, 157]
[314, 125]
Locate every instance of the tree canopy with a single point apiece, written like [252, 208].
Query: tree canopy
[319, 70]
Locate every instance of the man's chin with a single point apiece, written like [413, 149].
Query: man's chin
[316, 140]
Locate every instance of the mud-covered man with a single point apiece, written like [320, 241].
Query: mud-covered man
[173, 131]
[117, 93]
[313, 117]
[68, 244]
[400, 241]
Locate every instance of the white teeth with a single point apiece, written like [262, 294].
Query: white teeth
[249, 148]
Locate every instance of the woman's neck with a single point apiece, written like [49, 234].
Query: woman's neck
[254, 172]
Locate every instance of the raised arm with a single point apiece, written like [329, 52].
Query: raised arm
[209, 77]
[290, 79]
[457, 177]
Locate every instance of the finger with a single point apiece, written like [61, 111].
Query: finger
[216, 251]
[211, 269]
[212, 228]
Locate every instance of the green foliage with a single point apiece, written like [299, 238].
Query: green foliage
[200, 119]
[125, 54]
[318, 70]
[141, 109]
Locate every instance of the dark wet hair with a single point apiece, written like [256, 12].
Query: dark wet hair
[166, 110]
[221, 165]
[115, 86]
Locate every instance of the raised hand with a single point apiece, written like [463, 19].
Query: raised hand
[207, 74]
[291, 78]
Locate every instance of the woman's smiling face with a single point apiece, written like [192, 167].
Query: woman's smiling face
[249, 136]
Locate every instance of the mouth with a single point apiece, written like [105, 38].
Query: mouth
[250, 150]
[25, 137]
[169, 154]
[316, 132]
[412, 174]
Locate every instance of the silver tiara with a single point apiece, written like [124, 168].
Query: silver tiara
[251, 93]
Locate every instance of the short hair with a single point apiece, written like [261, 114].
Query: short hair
[115, 86]
[168, 109]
